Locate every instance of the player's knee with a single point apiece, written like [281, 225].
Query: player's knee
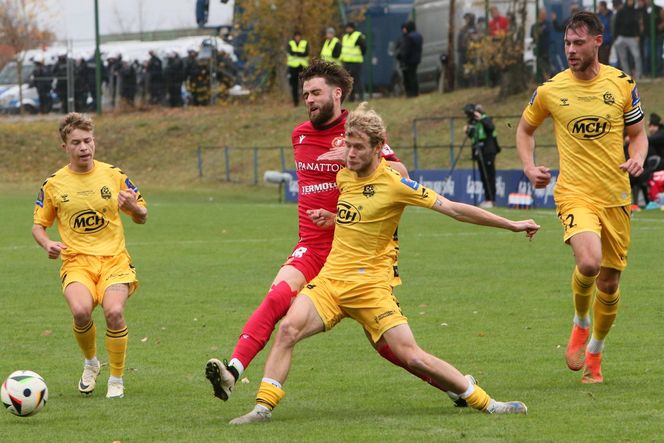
[589, 266]
[288, 333]
[608, 286]
[412, 356]
[114, 316]
[82, 316]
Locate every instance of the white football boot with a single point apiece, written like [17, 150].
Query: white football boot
[88, 379]
[259, 414]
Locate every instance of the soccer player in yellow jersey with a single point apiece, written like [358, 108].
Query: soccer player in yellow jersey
[355, 280]
[591, 106]
[86, 197]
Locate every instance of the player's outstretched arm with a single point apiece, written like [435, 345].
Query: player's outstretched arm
[128, 202]
[471, 214]
[322, 218]
[638, 149]
[52, 248]
[540, 176]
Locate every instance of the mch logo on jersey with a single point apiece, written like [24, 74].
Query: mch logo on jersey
[347, 214]
[590, 127]
[87, 222]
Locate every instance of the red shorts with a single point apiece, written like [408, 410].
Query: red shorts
[309, 261]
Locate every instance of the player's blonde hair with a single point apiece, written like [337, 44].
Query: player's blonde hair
[72, 121]
[368, 122]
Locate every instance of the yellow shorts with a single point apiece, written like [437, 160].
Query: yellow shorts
[612, 225]
[371, 304]
[98, 273]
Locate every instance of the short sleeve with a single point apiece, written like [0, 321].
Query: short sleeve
[410, 192]
[44, 213]
[632, 112]
[536, 111]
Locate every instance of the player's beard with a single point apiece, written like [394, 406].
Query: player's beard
[583, 63]
[325, 114]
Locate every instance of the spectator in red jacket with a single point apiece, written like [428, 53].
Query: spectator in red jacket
[498, 24]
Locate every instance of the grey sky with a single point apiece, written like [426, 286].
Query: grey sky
[74, 19]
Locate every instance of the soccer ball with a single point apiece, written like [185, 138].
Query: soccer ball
[24, 393]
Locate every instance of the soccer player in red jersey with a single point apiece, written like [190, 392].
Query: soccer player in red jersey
[319, 151]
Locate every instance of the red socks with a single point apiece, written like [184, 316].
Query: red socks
[259, 327]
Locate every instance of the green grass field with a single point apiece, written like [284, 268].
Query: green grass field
[490, 302]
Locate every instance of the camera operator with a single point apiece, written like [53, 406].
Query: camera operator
[482, 132]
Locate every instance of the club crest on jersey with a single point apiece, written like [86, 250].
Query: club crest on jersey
[105, 193]
[347, 213]
[368, 191]
[339, 142]
[608, 98]
[410, 183]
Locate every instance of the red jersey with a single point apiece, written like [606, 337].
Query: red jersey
[317, 185]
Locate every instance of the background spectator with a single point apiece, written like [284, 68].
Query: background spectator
[482, 133]
[627, 27]
[467, 34]
[155, 78]
[42, 80]
[605, 16]
[646, 11]
[298, 59]
[498, 24]
[409, 56]
[331, 50]
[173, 78]
[353, 48]
[540, 32]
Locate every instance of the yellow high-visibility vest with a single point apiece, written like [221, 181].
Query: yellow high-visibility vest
[326, 52]
[295, 61]
[350, 52]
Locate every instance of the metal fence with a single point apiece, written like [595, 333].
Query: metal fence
[436, 144]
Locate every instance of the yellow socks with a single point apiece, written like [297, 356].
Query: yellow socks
[582, 290]
[478, 399]
[269, 395]
[86, 336]
[605, 310]
[116, 346]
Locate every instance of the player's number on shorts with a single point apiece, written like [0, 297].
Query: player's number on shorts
[568, 223]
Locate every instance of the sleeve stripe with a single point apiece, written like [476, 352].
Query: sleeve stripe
[633, 112]
[633, 116]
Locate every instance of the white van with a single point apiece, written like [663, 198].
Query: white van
[9, 89]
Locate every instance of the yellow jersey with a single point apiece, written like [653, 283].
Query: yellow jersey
[589, 119]
[86, 208]
[368, 213]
